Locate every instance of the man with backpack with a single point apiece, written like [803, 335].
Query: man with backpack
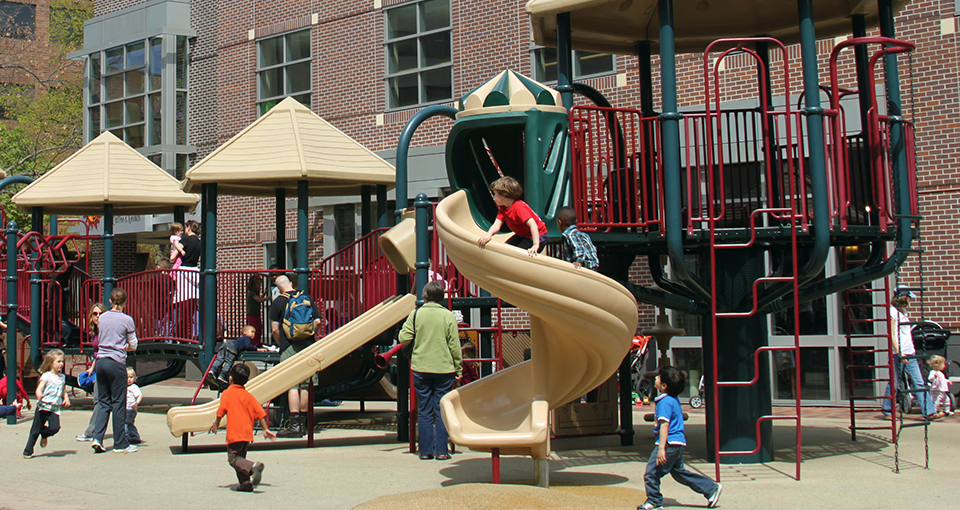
[294, 322]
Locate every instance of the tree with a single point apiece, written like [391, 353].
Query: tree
[41, 90]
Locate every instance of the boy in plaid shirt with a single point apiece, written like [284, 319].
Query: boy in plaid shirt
[577, 246]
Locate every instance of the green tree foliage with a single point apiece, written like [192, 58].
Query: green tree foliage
[41, 92]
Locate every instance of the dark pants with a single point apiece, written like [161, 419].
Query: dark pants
[430, 389]
[45, 424]
[237, 458]
[112, 378]
[673, 466]
[133, 435]
[526, 243]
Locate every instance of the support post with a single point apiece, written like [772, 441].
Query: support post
[895, 112]
[209, 272]
[179, 214]
[365, 212]
[107, 236]
[36, 298]
[303, 236]
[11, 278]
[309, 417]
[281, 235]
[383, 215]
[495, 454]
[564, 60]
[541, 475]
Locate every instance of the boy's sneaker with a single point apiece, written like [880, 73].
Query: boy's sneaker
[256, 473]
[43, 442]
[97, 447]
[84, 437]
[245, 487]
[713, 498]
[649, 506]
[130, 449]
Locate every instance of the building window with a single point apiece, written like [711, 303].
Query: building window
[419, 54]
[345, 219]
[126, 93]
[585, 64]
[13, 97]
[283, 70]
[17, 21]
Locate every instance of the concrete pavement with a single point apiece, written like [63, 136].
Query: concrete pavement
[358, 463]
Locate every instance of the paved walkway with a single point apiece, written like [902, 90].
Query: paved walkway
[357, 462]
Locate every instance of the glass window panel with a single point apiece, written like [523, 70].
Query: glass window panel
[298, 45]
[156, 159]
[114, 113]
[266, 106]
[813, 314]
[135, 55]
[303, 99]
[403, 91]
[183, 164]
[134, 136]
[437, 85]
[436, 15]
[95, 90]
[95, 122]
[156, 120]
[117, 133]
[17, 21]
[298, 77]
[95, 78]
[401, 21]
[271, 52]
[95, 65]
[156, 63]
[862, 373]
[114, 87]
[181, 62]
[436, 49]
[403, 56]
[546, 65]
[181, 118]
[689, 361]
[814, 374]
[134, 82]
[587, 64]
[271, 82]
[114, 57]
[134, 110]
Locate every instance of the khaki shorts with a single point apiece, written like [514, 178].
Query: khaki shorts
[290, 352]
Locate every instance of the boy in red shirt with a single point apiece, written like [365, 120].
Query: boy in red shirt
[243, 410]
[529, 231]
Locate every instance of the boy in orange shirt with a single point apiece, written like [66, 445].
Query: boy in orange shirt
[243, 410]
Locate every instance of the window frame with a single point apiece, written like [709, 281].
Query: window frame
[418, 35]
[283, 66]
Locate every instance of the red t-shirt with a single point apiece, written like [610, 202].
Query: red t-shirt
[515, 217]
[242, 411]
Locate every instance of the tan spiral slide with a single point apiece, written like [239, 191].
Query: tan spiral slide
[581, 325]
[325, 352]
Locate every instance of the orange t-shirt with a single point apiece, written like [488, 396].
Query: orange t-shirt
[242, 410]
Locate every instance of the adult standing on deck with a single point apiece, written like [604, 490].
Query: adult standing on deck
[187, 294]
[117, 337]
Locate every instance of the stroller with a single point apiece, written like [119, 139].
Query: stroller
[929, 338]
[642, 386]
[698, 400]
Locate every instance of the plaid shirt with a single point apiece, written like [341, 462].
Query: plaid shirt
[577, 247]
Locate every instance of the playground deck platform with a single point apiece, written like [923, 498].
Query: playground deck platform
[357, 462]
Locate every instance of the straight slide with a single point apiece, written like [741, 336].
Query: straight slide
[325, 352]
[581, 326]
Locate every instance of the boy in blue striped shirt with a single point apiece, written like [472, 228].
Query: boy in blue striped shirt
[667, 456]
[578, 248]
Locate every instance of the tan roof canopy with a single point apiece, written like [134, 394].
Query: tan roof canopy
[615, 26]
[289, 144]
[105, 171]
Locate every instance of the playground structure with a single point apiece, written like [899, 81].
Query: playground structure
[755, 196]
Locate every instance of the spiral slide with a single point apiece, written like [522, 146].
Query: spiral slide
[325, 352]
[581, 326]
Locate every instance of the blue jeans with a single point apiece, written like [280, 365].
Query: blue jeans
[430, 389]
[673, 466]
[914, 381]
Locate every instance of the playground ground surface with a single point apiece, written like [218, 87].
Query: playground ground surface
[357, 463]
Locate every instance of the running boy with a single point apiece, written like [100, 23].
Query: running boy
[529, 231]
[578, 248]
[243, 410]
[667, 456]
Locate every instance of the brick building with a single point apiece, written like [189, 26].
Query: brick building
[367, 66]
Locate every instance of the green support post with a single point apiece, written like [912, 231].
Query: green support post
[36, 297]
[209, 272]
[564, 60]
[11, 279]
[422, 205]
[303, 236]
[107, 236]
[365, 212]
[383, 215]
[895, 112]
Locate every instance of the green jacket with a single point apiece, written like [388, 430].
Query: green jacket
[437, 347]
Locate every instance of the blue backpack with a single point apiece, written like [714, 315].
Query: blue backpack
[298, 317]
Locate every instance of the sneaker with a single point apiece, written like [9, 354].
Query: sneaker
[245, 487]
[256, 473]
[649, 506]
[130, 449]
[97, 447]
[27, 456]
[43, 442]
[713, 498]
[84, 437]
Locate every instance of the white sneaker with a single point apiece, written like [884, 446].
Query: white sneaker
[713, 498]
[130, 449]
[97, 447]
[649, 506]
[83, 437]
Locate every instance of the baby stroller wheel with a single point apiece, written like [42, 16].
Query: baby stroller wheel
[696, 402]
